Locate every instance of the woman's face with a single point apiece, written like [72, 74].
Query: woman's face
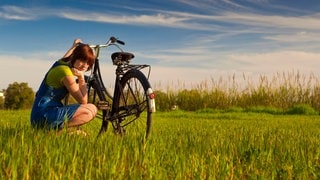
[81, 65]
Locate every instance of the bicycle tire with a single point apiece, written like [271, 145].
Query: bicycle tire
[130, 101]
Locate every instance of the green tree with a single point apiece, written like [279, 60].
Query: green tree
[1, 103]
[19, 96]
[2, 95]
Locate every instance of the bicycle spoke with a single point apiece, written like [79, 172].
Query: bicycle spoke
[132, 103]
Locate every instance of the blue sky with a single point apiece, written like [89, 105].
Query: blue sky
[188, 41]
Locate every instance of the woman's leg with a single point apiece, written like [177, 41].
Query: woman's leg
[84, 114]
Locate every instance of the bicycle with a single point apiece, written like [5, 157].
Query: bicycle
[132, 93]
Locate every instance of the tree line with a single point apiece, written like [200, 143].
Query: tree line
[17, 96]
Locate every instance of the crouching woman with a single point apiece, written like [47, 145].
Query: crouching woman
[48, 111]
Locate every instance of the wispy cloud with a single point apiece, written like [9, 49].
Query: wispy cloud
[159, 19]
[173, 19]
[16, 13]
[311, 22]
[300, 36]
[219, 26]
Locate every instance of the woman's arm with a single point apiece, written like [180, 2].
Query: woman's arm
[77, 90]
[74, 45]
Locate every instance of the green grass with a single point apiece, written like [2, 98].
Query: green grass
[183, 145]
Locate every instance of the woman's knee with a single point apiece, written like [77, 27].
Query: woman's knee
[91, 110]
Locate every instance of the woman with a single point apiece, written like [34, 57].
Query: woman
[48, 110]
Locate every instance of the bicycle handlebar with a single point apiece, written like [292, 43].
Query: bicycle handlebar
[112, 41]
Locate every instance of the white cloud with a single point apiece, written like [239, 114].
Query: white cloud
[246, 22]
[16, 13]
[21, 69]
[154, 19]
[311, 22]
[300, 36]
[280, 61]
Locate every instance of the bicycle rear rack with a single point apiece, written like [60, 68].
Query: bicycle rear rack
[123, 69]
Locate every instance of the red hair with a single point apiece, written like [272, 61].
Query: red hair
[82, 52]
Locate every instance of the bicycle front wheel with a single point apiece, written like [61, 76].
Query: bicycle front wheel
[131, 105]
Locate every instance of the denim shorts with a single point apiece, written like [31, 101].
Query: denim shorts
[53, 117]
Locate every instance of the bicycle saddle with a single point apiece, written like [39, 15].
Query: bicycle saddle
[120, 58]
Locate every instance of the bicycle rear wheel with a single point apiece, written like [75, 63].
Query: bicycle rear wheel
[131, 105]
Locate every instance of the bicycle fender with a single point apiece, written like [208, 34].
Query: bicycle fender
[151, 100]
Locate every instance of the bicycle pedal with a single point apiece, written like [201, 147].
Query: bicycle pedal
[103, 105]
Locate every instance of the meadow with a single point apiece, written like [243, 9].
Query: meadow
[206, 144]
[217, 129]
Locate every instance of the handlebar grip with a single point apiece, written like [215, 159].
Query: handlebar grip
[120, 42]
[113, 40]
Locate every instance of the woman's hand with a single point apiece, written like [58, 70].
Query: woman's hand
[80, 76]
[74, 45]
[76, 42]
[77, 72]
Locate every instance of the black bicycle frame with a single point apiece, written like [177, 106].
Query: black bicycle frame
[95, 81]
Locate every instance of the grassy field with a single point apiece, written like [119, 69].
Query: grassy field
[183, 145]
